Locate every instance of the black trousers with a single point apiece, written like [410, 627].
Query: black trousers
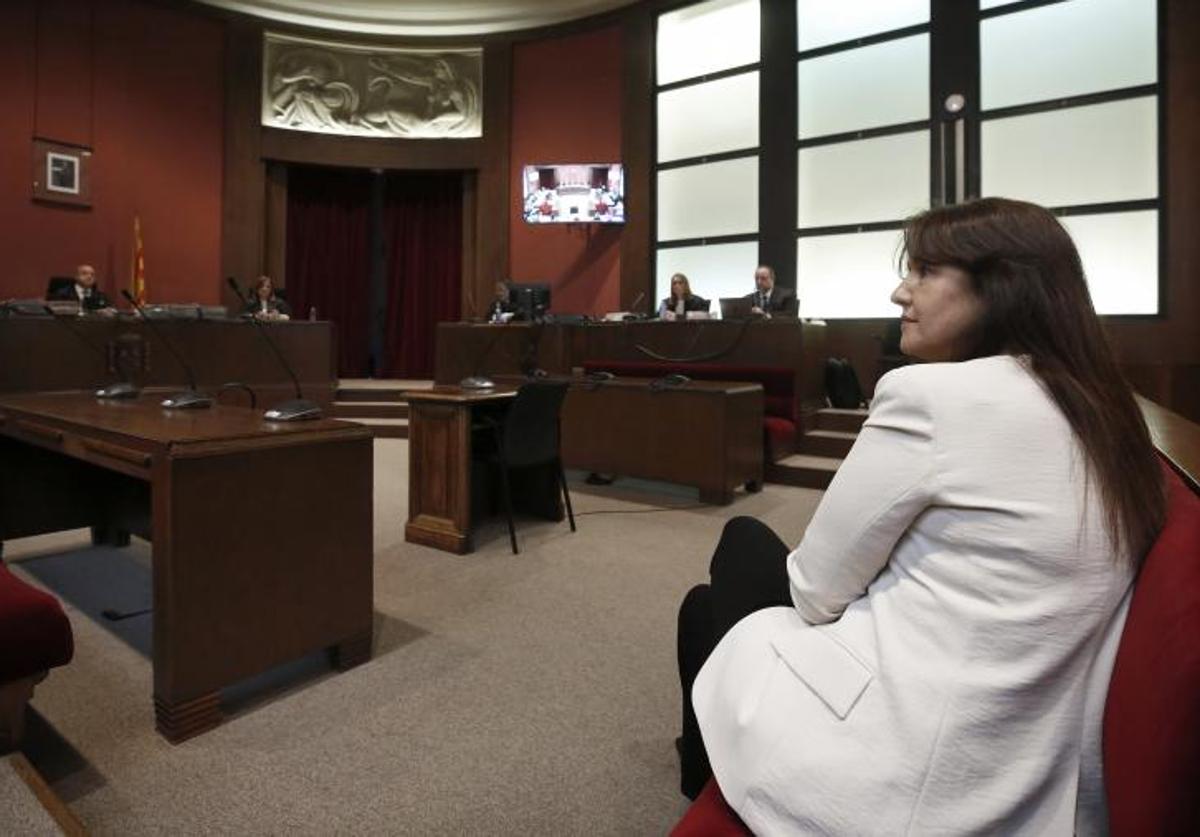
[748, 573]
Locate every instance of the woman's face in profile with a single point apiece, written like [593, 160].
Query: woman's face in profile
[939, 312]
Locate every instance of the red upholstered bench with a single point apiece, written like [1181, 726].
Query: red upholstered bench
[781, 418]
[35, 636]
[1152, 715]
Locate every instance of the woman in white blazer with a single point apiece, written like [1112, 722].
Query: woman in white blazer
[934, 656]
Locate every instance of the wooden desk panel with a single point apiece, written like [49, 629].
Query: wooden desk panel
[705, 434]
[559, 348]
[261, 533]
[41, 355]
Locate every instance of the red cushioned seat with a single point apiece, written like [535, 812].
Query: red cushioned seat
[35, 634]
[710, 816]
[1152, 716]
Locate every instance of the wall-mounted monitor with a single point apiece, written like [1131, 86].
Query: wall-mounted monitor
[576, 193]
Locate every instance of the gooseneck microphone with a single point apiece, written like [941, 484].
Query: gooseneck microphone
[120, 389]
[191, 399]
[298, 408]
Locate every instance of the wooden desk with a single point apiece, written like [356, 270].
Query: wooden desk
[41, 355]
[262, 534]
[706, 434]
[560, 348]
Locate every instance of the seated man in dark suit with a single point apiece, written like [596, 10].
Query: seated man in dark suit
[265, 304]
[681, 301]
[768, 300]
[84, 290]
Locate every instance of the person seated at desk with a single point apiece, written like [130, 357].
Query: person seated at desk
[266, 305]
[768, 300]
[934, 656]
[91, 299]
[500, 305]
[681, 300]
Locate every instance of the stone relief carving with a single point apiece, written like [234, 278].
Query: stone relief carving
[336, 88]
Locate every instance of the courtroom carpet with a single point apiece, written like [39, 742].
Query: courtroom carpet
[529, 694]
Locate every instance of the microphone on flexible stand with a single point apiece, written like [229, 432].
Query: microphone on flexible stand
[633, 313]
[298, 408]
[191, 398]
[120, 389]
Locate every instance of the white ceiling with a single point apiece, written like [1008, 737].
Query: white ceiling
[425, 18]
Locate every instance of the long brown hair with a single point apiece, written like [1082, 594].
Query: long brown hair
[683, 280]
[1028, 275]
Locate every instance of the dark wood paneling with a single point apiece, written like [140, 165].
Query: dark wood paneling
[492, 245]
[365, 152]
[244, 204]
[637, 120]
[275, 224]
[777, 120]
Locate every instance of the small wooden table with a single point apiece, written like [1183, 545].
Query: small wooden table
[262, 533]
[439, 463]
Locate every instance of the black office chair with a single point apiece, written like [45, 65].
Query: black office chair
[529, 435]
[60, 287]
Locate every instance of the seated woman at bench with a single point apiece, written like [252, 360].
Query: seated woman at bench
[934, 655]
[681, 300]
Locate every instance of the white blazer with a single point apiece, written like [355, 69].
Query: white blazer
[957, 610]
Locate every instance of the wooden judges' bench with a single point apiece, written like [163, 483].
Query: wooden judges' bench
[560, 348]
[41, 354]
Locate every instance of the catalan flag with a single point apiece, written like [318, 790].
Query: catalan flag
[139, 263]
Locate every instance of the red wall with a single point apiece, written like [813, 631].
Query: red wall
[566, 108]
[141, 85]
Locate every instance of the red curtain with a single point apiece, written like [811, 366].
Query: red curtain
[422, 224]
[328, 256]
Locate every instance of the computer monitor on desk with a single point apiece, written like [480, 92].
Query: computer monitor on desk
[530, 301]
[735, 308]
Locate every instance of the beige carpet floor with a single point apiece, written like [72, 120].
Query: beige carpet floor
[530, 694]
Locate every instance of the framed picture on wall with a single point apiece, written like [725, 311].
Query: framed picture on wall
[61, 173]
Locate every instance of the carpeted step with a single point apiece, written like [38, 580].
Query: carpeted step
[803, 471]
[843, 421]
[370, 409]
[832, 443]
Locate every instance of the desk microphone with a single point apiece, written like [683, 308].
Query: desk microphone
[191, 399]
[298, 408]
[121, 389]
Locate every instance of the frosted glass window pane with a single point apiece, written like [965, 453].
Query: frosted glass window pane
[707, 37]
[713, 271]
[1120, 259]
[848, 275]
[712, 199]
[1092, 154]
[1067, 49]
[884, 84]
[881, 179]
[708, 118]
[823, 22]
